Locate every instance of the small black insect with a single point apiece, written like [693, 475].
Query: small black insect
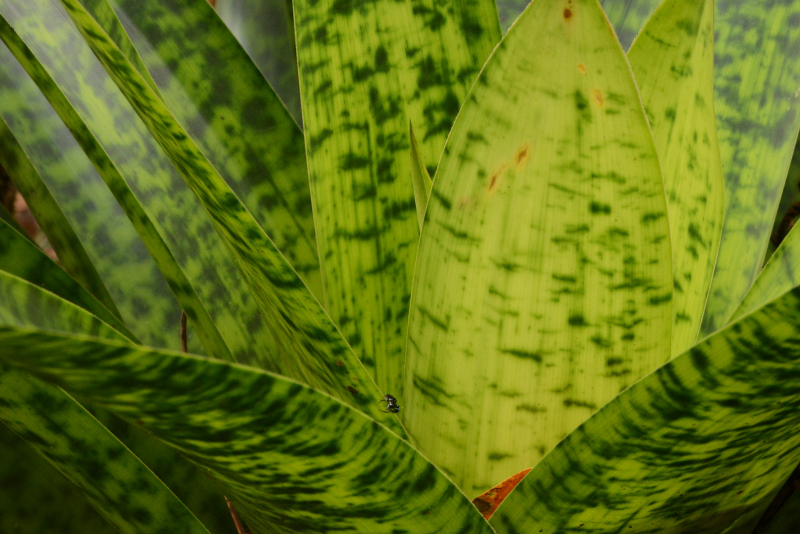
[391, 404]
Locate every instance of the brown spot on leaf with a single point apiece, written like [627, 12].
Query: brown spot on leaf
[522, 156]
[496, 177]
[567, 13]
[597, 96]
[339, 363]
[352, 390]
[582, 68]
[488, 501]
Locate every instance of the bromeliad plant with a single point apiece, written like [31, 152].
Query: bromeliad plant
[556, 298]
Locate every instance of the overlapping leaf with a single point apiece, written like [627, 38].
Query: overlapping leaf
[543, 282]
[231, 112]
[366, 69]
[266, 31]
[673, 62]
[701, 443]
[310, 347]
[756, 86]
[290, 458]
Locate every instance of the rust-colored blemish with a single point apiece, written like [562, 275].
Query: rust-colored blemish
[487, 502]
[339, 363]
[582, 68]
[463, 201]
[352, 390]
[597, 95]
[567, 13]
[496, 177]
[522, 156]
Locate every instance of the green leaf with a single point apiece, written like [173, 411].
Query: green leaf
[788, 517]
[266, 30]
[128, 494]
[366, 70]
[35, 498]
[20, 257]
[419, 178]
[758, 115]
[231, 112]
[628, 17]
[780, 275]
[109, 241]
[543, 284]
[51, 218]
[693, 447]
[311, 349]
[291, 459]
[673, 62]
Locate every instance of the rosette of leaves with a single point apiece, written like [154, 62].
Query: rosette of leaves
[549, 250]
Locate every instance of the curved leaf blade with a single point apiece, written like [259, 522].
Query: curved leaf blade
[758, 116]
[311, 349]
[366, 69]
[673, 63]
[704, 440]
[243, 426]
[543, 283]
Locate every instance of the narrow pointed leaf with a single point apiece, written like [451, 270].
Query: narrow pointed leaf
[419, 178]
[758, 115]
[673, 63]
[693, 447]
[50, 217]
[265, 28]
[241, 425]
[21, 258]
[127, 494]
[231, 112]
[366, 69]
[144, 224]
[311, 349]
[35, 498]
[543, 284]
[780, 275]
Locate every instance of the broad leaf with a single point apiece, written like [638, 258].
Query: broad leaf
[366, 69]
[673, 62]
[291, 459]
[311, 349]
[227, 107]
[701, 443]
[543, 284]
[266, 30]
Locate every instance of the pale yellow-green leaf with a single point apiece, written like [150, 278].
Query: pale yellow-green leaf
[544, 282]
[419, 177]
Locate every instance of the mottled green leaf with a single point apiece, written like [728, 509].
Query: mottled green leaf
[757, 83]
[50, 217]
[265, 28]
[117, 484]
[231, 112]
[311, 349]
[35, 498]
[543, 284]
[780, 275]
[366, 69]
[673, 62]
[700, 443]
[291, 459]
[628, 17]
[135, 159]
[420, 178]
[21, 258]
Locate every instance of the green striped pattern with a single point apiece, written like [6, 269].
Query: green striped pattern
[543, 283]
[310, 348]
[673, 62]
[290, 458]
[366, 68]
[756, 101]
[420, 178]
[229, 109]
[697, 445]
